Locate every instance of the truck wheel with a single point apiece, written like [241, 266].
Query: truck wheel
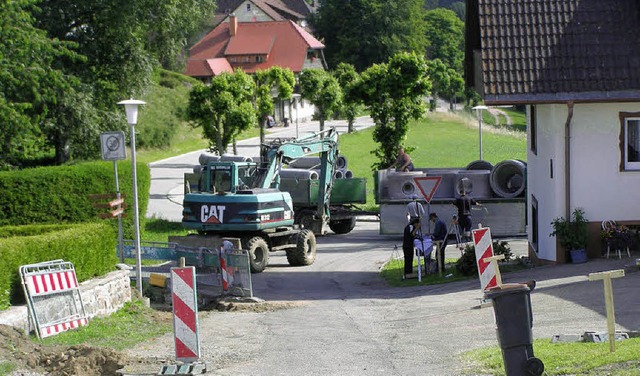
[305, 252]
[343, 226]
[305, 219]
[258, 254]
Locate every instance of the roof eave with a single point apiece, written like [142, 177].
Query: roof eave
[577, 97]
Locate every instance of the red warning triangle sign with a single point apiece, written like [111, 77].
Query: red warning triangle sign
[428, 186]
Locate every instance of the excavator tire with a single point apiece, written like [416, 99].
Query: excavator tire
[258, 254]
[343, 226]
[305, 251]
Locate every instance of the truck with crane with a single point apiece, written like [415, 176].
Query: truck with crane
[246, 200]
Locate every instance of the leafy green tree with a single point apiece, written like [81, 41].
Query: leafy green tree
[445, 35]
[30, 85]
[348, 78]
[456, 86]
[365, 32]
[322, 90]
[223, 109]
[439, 76]
[273, 80]
[394, 93]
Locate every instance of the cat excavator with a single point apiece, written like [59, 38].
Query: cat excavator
[243, 200]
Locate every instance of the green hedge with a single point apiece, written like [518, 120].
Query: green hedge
[49, 195]
[89, 246]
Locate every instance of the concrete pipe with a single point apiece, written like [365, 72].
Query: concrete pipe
[235, 158]
[315, 162]
[508, 178]
[306, 163]
[338, 174]
[447, 186]
[205, 158]
[348, 174]
[298, 173]
[479, 165]
[197, 169]
[475, 183]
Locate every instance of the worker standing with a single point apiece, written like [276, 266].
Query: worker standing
[409, 235]
[414, 209]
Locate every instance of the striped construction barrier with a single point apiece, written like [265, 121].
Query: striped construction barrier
[53, 297]
[484, 249]
[185, 314]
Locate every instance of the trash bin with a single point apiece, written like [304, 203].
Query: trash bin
[514, 320]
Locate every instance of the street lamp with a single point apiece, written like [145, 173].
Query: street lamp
[297, 97]
[131, 108]
[479, 114]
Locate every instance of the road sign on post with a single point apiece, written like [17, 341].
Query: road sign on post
[112, 146]
[428, 186]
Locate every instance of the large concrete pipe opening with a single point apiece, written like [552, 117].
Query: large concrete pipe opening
[508, 178]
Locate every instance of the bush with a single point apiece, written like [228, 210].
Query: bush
[90, 247]
[59, 195]
[466, 264]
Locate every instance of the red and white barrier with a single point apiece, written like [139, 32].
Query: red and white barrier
[185, 314]
[227, 274]
[53, 297]
[40, 284]
[484, 249]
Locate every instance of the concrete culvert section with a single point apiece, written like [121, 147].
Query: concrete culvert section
[508, 178]
[299, 173]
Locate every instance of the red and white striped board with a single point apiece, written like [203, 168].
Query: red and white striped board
[53, 284]
[185, 314]
[227, 274]
[484, 248]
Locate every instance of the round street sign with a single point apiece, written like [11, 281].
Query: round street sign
[113, 146]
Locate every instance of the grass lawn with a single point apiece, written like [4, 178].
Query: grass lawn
[565, 358]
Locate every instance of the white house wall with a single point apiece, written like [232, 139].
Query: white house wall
[597, 184]
[255, 14]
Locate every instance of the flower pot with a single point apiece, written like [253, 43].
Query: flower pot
[578, 256]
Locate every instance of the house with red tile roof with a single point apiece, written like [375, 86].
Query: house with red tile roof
[574, 65]
[254, 46]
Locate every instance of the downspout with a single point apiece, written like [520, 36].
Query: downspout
[567, 160]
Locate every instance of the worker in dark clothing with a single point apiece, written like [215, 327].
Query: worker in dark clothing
[439, 234]
[410, 232]
[464, 204]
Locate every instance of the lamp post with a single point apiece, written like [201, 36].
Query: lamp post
[131, 108]
[297, 97]
[479, 114]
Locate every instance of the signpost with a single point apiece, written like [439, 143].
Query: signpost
[113, 149]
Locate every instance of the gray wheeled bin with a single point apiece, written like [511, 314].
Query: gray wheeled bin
[514, 320]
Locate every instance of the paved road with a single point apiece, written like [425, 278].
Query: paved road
[166, 191]
[346, 321]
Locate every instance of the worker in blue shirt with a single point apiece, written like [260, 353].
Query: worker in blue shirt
[439, 234]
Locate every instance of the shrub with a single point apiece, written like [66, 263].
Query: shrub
[59, 195]
[89, 246]
[466, 264]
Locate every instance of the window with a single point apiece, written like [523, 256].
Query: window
[248, 7]
[534, 223]
[533, 130]
[245, 59]
[259, 59]
[630, 141]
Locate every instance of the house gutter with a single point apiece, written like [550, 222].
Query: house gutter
[567, 160]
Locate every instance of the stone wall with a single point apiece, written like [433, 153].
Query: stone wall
[100, 297]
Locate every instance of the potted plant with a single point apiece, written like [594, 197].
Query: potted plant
[572, 235]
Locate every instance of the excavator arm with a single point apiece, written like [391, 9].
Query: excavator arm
[324, 143]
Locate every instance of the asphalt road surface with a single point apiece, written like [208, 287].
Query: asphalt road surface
[341, 318]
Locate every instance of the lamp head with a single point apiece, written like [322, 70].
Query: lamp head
[131, 108]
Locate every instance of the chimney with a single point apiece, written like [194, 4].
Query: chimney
[233, 25]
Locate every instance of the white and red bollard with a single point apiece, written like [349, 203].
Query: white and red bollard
[185, 314]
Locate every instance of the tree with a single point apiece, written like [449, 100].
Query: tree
[445, 35]
[272, 80]
[223, 109]
[348, 78]
[122, 42]
[322, 90]
[363, 33]
[394, 93]
[29, 82]
[456, 86]
[439, 78]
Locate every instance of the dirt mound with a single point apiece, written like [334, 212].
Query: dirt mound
[16, 347]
